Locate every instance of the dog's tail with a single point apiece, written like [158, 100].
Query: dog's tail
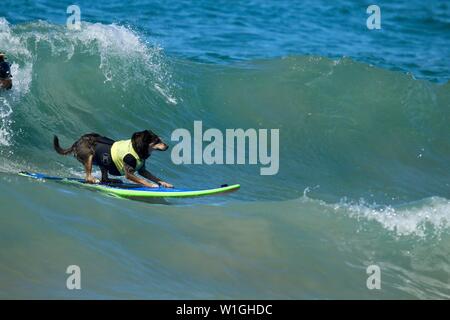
[59, 149]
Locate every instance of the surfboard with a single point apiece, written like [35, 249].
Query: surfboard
[132, 190]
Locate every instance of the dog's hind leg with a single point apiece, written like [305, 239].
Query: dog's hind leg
[105, 178]
[88, 168]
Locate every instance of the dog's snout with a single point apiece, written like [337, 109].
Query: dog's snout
[160, 146]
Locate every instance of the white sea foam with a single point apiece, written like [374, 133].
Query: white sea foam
[124, 55]
[22, 80]
[419, 218]
[118, 43]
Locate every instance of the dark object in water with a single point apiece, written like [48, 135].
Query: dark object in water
[6, 83]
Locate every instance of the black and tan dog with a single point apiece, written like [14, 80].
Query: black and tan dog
[118, 158]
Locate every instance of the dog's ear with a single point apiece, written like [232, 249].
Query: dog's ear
[140, 144]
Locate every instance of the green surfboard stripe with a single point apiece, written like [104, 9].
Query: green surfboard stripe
[159, 194]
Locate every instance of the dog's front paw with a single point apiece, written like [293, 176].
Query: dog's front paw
[152, 185]
[165, 184]
[92, 180]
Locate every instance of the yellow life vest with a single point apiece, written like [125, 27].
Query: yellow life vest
[119, 150]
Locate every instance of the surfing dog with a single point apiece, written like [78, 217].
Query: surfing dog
[118, 158]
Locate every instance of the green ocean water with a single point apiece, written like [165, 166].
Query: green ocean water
[364, 174]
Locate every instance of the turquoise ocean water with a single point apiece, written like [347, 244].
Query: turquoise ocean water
[364, 172]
